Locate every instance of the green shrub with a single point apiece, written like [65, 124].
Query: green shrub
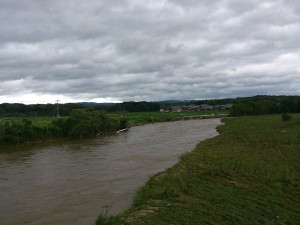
[123, 123]
[286, 117]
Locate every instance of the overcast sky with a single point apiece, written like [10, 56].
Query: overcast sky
[123, 50]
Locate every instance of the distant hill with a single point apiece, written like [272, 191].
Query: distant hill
[175, 101]
[95, 104]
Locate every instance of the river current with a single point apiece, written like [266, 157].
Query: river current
[70, 183]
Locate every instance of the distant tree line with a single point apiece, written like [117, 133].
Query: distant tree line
[260, 105]
[19, 110]
[214, 102]
[81, 123]
[256, 105]
[135, 107]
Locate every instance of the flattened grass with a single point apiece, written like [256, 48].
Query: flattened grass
[249, 174]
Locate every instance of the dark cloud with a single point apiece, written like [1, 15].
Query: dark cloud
[147, 50]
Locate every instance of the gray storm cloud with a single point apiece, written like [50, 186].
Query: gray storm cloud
[148, 50]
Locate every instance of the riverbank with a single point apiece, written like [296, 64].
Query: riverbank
[80, 124]
[83, 124]
[249, 174]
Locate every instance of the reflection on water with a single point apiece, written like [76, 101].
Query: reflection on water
[68, 184]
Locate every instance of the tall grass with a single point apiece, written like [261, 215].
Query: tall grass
[249, 174]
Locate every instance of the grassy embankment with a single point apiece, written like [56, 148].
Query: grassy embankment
[249, 174]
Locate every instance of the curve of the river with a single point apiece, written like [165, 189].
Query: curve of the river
[68, 184]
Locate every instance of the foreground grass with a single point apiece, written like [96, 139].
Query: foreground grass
[249, 174]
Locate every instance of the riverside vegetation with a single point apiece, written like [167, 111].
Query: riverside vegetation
[81, 123]
[249, 174]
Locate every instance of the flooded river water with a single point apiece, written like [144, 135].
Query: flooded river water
[69, 184]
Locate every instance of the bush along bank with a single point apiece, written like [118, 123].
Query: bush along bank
[249, 174]
[82, 123]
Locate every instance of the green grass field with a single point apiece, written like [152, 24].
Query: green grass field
[137, 118]
[40, 121]
[249, 174]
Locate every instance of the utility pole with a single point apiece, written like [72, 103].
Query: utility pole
[121, 109]
[57, 115]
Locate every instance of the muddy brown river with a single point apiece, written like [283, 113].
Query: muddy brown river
[69, 184]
